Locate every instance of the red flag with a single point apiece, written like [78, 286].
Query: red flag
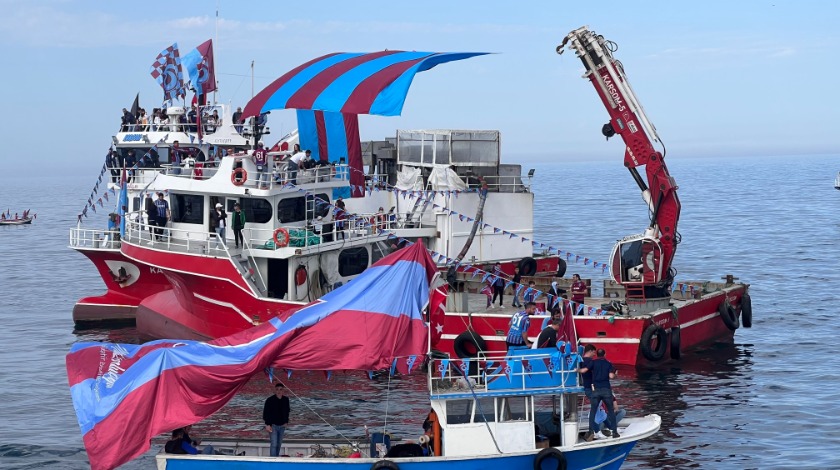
[567, 330]
[437, 304]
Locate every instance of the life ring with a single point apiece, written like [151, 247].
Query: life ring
[469, 344]
[384, 465]
[550, 453]
[746, 310]
[675, 342]
[645, 343]
[561, 267]
[528, 266]
[277, 242]
[239, 176]
[728, 315]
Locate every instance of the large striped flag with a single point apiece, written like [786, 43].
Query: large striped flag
[199, 66]
[166, 70]
[126, 394]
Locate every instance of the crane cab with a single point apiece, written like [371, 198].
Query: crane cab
[637, 260]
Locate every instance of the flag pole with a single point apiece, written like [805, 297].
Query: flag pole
[215, 87]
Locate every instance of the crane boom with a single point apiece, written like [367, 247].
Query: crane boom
[642, 263]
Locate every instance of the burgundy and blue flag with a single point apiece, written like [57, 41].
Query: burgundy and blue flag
[199, 66]
[131, 393]
[166, 70]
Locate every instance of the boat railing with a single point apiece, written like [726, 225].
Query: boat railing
[500, 184]
[197, 241]
[520, 371]
[354, 227]
[252, 270]
[95, 239]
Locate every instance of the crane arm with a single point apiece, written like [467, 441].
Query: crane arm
[629, 121]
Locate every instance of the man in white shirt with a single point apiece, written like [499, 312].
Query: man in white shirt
[295, 162]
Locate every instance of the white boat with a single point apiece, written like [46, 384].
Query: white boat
[515, 411]
[837, 181]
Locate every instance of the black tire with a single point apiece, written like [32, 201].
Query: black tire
[550, 453]
[384, 465]
[728, 315]
[469, 344]
[675, 342]
[649, 352]
[561, 267]
[746, 310]
[527, 266]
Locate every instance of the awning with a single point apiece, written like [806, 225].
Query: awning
[350, 82]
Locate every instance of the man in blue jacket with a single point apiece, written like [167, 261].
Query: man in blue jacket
[602, 371]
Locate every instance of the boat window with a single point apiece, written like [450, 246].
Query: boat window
[353, 261]
[512, 408]
[484, 411]
[291, 209]
[458, 411]
[135, 204]
[319, 205]
[256, 211]
[187, 208]
[380, 250]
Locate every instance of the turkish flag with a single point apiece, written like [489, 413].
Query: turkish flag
[437, 304]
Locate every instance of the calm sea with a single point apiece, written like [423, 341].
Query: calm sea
[766, 401]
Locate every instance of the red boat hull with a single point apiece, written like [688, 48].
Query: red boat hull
[124, 292]
[699, 321]
[210, 300]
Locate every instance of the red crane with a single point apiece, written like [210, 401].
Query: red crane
[642, 262]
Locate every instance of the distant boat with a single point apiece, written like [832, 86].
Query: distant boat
[837, 181]
[20, 221]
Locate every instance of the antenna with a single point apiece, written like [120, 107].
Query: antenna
[252, 79]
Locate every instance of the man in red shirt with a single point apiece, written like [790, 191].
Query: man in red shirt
[261, 161]
[578, 290]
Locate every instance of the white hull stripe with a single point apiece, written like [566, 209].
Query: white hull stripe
[699, 320]
[599, 339]
[224, 304]
[608, 462]
[91, 304]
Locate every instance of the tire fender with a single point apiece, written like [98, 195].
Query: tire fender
[728, 315]
[550, 454]
[650, 332]
[469, 339]
[384, 465]
[746, 310]
[675, 342]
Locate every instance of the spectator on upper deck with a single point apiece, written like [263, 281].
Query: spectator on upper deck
[175, 157]
[114, 164]
[296, 162]
[143, 121]
[237, 119]
[128, 121]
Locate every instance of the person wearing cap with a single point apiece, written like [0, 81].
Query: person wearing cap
[238, 225]
[218, 221]
[261, 161]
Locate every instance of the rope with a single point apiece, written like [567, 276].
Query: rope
[353, 444]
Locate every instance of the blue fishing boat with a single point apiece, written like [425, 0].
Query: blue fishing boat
[516, 411]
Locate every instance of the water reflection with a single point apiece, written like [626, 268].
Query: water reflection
[698, 400]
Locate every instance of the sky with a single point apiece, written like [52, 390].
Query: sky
[717, 78]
